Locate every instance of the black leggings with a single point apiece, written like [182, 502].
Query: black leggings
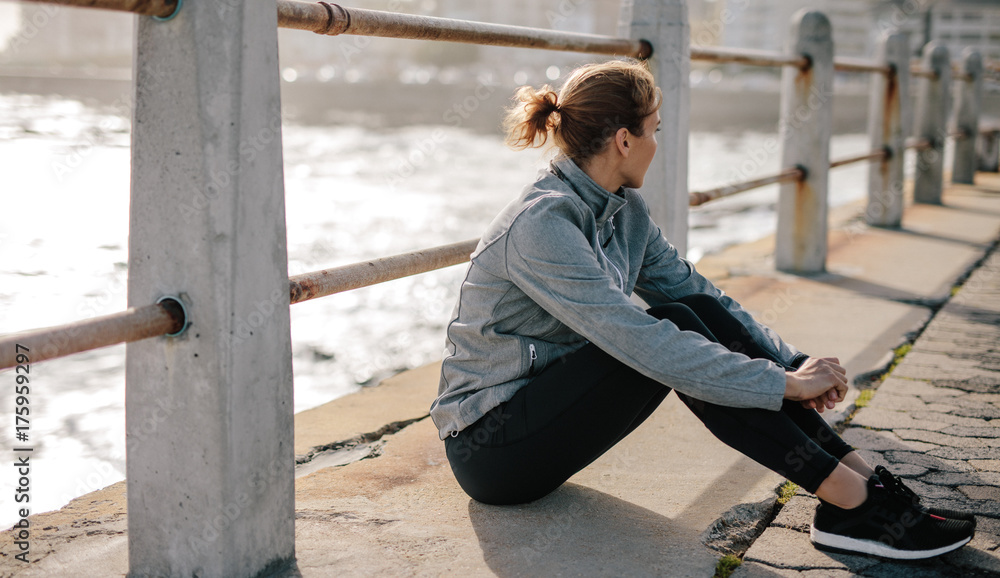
[587, 402]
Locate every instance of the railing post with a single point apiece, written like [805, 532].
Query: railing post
[931, 124]
[890, 97]
[664, 23]
[968, 102]
[806, 126]
[988, 150]
[210, 465]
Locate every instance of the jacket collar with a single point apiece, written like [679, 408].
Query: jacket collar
[600, 201]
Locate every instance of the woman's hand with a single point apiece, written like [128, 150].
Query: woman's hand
[820, 383]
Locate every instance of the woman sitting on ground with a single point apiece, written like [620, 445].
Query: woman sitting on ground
[549, 362]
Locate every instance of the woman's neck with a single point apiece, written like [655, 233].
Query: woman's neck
[604, 172]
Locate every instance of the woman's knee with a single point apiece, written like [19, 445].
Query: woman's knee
[685, 318]
[672, 311]
[701, 302]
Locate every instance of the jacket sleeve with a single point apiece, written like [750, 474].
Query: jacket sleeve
[666, 277]
[550, 259]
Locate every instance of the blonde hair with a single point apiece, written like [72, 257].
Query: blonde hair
[595, 101]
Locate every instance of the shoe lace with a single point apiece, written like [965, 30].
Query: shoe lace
[896, 486]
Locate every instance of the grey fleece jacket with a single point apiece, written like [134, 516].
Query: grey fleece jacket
[553, 271]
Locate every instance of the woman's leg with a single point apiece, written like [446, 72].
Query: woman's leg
[580, 407]
[771, 438]
[563, 420]
[567, 417]
[796, 442]
[731, 333]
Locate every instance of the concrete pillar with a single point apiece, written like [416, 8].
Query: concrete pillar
[210, 464]
[988, 151]
[932, 124]
[890, 97]
[664, 23]
[806, 125]
[968, 102]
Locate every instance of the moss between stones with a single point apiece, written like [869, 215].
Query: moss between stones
[726, 565]
[898, 356]
[864, 398]
[786, 491]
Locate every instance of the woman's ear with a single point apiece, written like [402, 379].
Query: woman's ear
[622, 141]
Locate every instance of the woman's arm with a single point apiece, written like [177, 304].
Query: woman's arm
[550, 259]
[666, 277]
[818, 383]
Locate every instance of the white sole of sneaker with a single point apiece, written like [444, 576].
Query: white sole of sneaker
[875, 548]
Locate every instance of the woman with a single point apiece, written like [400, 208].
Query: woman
[549, 362]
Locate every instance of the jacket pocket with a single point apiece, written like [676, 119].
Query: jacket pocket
[532, 354]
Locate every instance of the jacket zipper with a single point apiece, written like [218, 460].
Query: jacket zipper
[621, 280]
[611, 221]
[532, 357]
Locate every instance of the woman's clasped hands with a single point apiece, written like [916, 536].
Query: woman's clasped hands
[820, 383]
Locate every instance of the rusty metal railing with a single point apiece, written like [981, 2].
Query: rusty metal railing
[748, 56]
[699, 198]
[333, 19]
[339, 279]
[160, 8]
[875, 155]
[168, 316]
[919, 71]
[131, 325]
[848, 64]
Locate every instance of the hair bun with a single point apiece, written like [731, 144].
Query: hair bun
[543, 102]
[529, 121]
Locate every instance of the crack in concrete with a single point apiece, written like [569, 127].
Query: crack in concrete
[343, 452]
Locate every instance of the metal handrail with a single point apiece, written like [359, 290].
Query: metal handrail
[161, 8]
[167, 317]
[748, 56]
[848, 64]
[918, 70]
[869, 156]
[331, 281]
[918, 143]
[130, 325]
[701, 197]
[332, 19]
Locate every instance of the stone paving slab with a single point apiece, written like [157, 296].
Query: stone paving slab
[934, 422]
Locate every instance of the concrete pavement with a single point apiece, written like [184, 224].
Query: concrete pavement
[651, 504]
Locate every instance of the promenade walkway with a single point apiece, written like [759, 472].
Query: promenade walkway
[670, 499]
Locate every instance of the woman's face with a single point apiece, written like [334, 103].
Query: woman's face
[642, 150]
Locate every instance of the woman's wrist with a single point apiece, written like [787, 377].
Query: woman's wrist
[793, 389]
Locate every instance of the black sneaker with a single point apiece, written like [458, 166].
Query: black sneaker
[894, 484]
[887, 525]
